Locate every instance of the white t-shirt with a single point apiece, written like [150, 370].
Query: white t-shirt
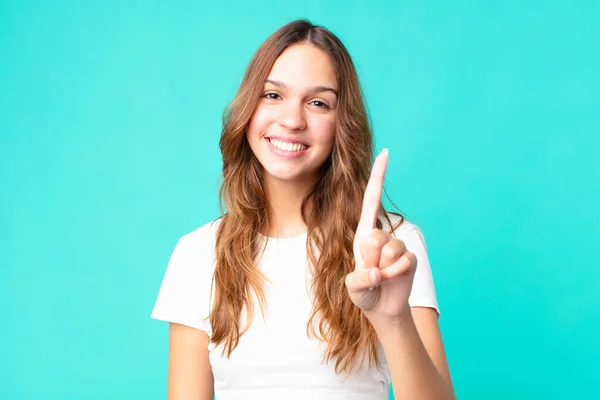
[275, 359]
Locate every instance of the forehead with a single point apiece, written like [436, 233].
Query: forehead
[302, 65]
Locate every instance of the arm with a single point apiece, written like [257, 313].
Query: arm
[415, 353]
[382, 283]
[190, 373]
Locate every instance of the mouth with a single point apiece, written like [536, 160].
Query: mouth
[287, 146]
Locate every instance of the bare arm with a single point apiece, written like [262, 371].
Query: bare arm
[190, 373]
[416, 357]
[426, 321]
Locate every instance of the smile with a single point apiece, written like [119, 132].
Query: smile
[287, 150]
[287, 146]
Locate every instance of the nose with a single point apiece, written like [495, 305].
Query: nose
[292, 116]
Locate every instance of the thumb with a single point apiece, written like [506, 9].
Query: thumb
[362, 279]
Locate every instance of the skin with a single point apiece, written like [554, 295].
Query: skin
[295, 107]
[380, 286]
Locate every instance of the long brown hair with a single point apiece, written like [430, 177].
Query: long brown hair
[331, 209]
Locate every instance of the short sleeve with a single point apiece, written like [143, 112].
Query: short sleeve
[184, 294]
[423, 289]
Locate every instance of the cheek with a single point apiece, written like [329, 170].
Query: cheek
[324, 131]
[260, 121]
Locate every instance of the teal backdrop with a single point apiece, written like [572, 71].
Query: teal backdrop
[110, 116]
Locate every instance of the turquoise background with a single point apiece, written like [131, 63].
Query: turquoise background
[110, 115]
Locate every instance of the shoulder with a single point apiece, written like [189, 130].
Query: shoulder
[196, 249]
[184, 295]
[204, 235]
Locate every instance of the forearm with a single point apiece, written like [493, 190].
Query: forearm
[414, 375]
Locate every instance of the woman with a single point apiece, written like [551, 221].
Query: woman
[345, 293]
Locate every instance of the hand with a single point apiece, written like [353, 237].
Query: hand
[384, 270]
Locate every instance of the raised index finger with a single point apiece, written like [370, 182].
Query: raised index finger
[372, 197]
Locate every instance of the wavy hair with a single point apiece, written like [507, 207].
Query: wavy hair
[331, 209]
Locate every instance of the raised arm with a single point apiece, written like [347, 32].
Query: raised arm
[380, 286]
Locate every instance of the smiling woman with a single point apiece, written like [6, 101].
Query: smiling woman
[292, 129]
[304, 239]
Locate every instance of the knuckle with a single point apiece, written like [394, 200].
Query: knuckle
[390, 252]
[377, 238]
[412, 257]
[400, 245]
[394, 249]
[412, 260]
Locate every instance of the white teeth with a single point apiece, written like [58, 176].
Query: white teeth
[291, 147]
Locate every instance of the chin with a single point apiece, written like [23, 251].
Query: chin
[280, 176]
[286, 176]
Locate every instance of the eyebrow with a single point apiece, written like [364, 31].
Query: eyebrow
[316, 89]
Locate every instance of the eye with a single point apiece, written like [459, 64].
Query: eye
[319, 104]
[271, 96]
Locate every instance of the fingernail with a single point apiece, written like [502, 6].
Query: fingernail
[385, 151]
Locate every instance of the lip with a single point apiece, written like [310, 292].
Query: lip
[281, 153]
[282, 139]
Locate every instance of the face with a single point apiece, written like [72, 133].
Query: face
[292, 129]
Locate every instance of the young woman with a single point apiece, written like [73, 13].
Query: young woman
[303, 289]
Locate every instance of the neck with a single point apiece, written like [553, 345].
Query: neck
[284, 199]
